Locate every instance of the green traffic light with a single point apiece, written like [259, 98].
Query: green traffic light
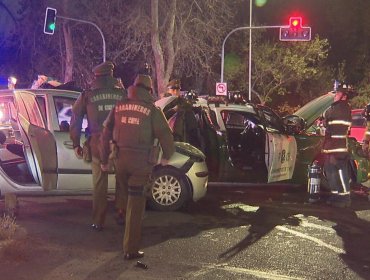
[52, 26]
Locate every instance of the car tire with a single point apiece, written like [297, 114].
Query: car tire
[170, 190]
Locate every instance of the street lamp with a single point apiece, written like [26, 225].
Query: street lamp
[223, 49]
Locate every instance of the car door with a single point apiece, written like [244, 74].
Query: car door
[39, 143]
[281, 149]
[73, 174]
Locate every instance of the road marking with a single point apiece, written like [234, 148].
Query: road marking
[244, 271]
[316, 240]
[312, 225]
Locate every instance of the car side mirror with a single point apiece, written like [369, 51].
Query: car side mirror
[294, 124]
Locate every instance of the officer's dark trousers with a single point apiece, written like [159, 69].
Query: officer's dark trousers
[336, 167]
[133, 172]
[100, 184]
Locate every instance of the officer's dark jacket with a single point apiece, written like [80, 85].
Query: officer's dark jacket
[96, 103]
[134, 124]
[337, 120]
[183, 122]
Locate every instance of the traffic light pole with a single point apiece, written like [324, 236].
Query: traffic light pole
[223, 50]
[97, 27]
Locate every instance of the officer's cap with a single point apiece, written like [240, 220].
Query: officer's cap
[104, 69]
[143, 81]
[174, 84]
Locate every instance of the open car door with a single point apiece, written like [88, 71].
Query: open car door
[280, 148]
[281, 153]
[39, 143]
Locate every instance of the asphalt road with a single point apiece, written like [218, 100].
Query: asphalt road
[238, 233]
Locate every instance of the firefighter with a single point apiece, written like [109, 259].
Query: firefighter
[96, 103]
[337, 121]
[133, 125]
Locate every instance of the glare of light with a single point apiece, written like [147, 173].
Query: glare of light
[1, 115]
[11, 82]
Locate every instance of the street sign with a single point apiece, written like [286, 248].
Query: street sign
[221, 89]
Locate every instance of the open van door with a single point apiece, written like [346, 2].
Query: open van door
[39, 143]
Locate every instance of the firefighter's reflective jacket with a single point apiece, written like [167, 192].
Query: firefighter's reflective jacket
[337, 120]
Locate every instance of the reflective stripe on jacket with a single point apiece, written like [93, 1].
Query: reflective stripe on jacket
[338, 123]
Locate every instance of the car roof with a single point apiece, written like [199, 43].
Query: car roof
[4, 92]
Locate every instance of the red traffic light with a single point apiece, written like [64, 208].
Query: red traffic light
[295, 22]
[295, 31]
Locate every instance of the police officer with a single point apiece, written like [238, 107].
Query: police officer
[173, 88]
[181, 117]
[337, 120]
[133, 125]
[96, 103]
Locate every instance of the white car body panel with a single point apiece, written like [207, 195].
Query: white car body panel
[48, 151]
[281, 156]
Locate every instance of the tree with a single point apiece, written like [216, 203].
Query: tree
[282, 67]
[186, 37]
[178, 38]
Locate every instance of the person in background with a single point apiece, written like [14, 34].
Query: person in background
[337, 122]
[366, 137]
[173, 88]
[96, 103]
[181, 117]
[133, 125]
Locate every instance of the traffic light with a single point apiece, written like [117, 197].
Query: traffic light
[50, 18]
[295, 31]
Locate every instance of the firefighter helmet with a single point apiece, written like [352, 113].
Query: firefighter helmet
[191, 96]
[346, 89]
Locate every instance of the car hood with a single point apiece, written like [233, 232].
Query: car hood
[165, 102]
[315, 108]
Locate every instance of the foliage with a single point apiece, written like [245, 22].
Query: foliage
[7, 227]
[363, 97]
[188, 42]
[282, 68]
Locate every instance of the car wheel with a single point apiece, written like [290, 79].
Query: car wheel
[170, 190]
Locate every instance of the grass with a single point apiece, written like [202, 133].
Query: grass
[8, 227]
